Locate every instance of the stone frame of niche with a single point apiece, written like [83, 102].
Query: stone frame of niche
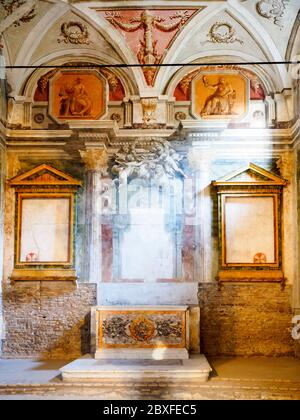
[45, 182]
[264, 184]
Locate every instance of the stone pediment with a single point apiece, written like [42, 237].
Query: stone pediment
[250, 175]
[44, 175]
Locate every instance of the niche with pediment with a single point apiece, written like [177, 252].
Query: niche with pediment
[45, 224]
[249, 208]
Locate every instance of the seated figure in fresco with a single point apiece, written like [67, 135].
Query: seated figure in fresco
[222, 101]
[75, 101]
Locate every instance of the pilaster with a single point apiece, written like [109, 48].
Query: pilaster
[287, 164]
[96, 162]
[200, 159]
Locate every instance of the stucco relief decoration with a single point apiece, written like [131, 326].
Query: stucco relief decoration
[149, 33]
[180, 116]
[74, 33]
[220, 96]
[116, 117]
[76, 95]
[39, 118]
[156, 162]
[116, 89]
[223, 33]
[42, 90]
[149, 106]
[12, 6]
[272, 10]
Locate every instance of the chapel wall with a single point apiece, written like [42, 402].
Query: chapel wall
[246, 320]
[48, 320]
[51, 319]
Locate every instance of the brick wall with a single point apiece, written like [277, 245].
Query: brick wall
[247, 320]
[47, 319]
[51, 320]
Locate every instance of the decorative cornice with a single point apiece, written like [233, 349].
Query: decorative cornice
[38, 134]
[108, 133]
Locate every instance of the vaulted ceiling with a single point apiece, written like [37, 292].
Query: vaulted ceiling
[108, 32]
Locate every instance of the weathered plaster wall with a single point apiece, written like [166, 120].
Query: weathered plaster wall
[15, 167]
[45, 319]
[2, 179]
[51, 319]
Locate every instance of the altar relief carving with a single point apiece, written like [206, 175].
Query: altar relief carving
[140, 328]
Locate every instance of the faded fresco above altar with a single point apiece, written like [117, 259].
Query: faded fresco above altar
[77, 95]
[220, 96]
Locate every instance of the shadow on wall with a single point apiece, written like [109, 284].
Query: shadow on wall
[48, 320]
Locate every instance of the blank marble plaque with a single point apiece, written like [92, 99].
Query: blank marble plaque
[249, 229]
[45, 230]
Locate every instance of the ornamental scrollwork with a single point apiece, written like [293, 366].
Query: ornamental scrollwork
[147, 22]
[23, 11]
[74, 33]
[223, 33]
[272, 10]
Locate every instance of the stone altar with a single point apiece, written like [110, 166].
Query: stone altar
[134, 342]
[140, 332]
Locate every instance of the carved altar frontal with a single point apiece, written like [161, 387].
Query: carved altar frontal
[142, 332]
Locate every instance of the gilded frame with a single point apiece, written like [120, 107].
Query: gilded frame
[277, 233]
[47, 195]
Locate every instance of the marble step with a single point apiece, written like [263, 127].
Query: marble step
[87, 369]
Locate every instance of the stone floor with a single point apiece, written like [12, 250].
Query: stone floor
[232, 378]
